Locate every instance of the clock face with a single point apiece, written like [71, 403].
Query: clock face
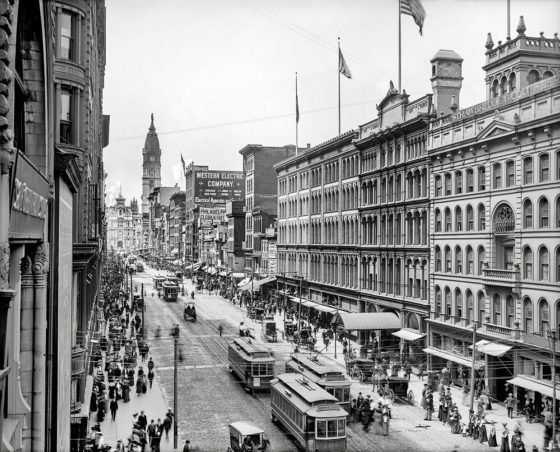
[152, 158]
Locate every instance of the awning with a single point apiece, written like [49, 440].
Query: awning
[261, 282]
[492, 348]
[243, 282]
[223, 274]
[238, 275]
[542, 386]
[175, 251]
[323, 308]
[211, 271]
[464, 361]
[408, 335]
[303, 301]
[368, 320]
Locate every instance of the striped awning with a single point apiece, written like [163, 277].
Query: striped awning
[357, 321]
[542, 386]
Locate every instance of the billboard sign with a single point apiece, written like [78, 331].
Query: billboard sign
[212, 215]
[215, 188]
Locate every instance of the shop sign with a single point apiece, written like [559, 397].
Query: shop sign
[215, 188]
[29, 203]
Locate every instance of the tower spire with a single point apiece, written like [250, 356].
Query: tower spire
[152, 127]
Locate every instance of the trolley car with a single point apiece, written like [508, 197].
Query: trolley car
[325, 375]
[189, 313]
[158, 281]
[310, 414]
[170, 291]
[252, 363]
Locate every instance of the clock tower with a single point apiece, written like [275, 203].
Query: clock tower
[151, 166]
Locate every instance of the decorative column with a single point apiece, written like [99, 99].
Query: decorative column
[40, 274]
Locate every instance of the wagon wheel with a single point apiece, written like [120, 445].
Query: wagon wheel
[410, 397]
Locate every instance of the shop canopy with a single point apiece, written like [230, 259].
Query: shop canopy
[238, 275]
[542, 386]
[243, 282]
[354, 321]
[462, 360]
[313, 305]
[408, 335]
[492, 348]
[223, 274]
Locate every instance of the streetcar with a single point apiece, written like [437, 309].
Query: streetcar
[310, 414]
[326, 376]
[189, 313]
[170, 291]
[172, 280]
[245, 434]
[158, 281]
[252, 363]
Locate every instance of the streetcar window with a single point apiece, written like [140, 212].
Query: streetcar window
[321, 429]
[310, 424]
[346, 395]
[341, 427]
[332, 429]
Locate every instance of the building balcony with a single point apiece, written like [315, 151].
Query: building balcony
[78, 361]
[502, 331]
[502, 277]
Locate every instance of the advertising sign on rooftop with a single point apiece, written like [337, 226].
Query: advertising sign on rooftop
[215, 188]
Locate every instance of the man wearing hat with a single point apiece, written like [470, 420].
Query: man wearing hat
[509, 405]
[143, 420]
[120, 446]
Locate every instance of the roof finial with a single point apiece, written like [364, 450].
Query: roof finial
[521, 27]
[152, 123]
[489, 42]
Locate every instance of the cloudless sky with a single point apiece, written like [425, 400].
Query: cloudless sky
[219, 74]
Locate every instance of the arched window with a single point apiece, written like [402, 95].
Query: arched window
[448, 311]
[480, 304]
[543, 213]
[527, 263]
[528, 170]
[557, 212]
[503, 85]
[447, 184]
[528, 315]
[458, 182]
[458, 305]
[470, 260]
[447, 252]
[470, 218]
[458, 219]
[510, 173]
[544, 314]
[495, 89]
[512, 82]
[481, 259]
[496, 310]
[510, 311]
[447, 220]
[470, 180]
[438, 187]
[481, 178]
[544, 168]
[543, 264]
[438, 220]
[438, 301]
[533, 76]
[438, 258]
[504, 219]
[497, 176]
[481, 217]
[458, 260]
[469, 313]
[527, 214]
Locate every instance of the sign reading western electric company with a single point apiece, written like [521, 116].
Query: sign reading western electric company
[30, 193]
[214, 188]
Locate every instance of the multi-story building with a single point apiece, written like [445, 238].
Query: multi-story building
[51, 210]
[176, 222]
[158, 232]
[261, 196]
[191, 227]
[235, 214]
[124, 226]
[495, 221]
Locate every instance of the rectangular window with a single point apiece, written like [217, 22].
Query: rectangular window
[66, 37]
[65, 117]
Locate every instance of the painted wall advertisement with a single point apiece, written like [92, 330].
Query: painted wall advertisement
[214, 188]
[212, 215]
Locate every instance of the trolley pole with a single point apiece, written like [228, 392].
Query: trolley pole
[175, 404]
[473, 364]
[552, 338]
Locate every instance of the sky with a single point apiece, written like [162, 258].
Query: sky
[220, 74]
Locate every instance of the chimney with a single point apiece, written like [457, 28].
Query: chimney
[446, 81]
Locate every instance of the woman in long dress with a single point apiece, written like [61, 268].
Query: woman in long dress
[505, 438]
[483, 435]
[476, 428]
[492, 442]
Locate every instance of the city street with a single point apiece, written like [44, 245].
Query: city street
[210, 398]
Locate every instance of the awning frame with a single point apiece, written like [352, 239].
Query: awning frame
[408, 335]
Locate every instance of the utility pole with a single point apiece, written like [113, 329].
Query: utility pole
[175, 404]
[143, 309]
[552, 338]
[473, 370]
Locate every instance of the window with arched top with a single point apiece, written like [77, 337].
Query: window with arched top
[512, 82]
[469, 311]
[544, 316]
[510, 311]
[528, 170]
[458, 304]
[544, 168]
[503, 85]
[527, 214]
[496, 309]
[447, 184]
[447, 216]
[527, 263]
[470, 260]
[481, 217]
[438, 220]
[481, 306]
[458, 219]
[458, 260]
[543, 264]
[458, 182]
[497, 175]
[447, 252]
[438, 301]
[470, 180]
[543, 213]
[510, 173]
[481, 178]
[504, 219]
[438, 258]
[448, 304]
[470, 218]
[533, 76]
[481, 259]
[438, 186]
[495, 89]
[527, 315]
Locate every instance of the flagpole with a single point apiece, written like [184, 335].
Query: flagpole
[399, 85]
[508, 20]
[339, 85]
[297, 119]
